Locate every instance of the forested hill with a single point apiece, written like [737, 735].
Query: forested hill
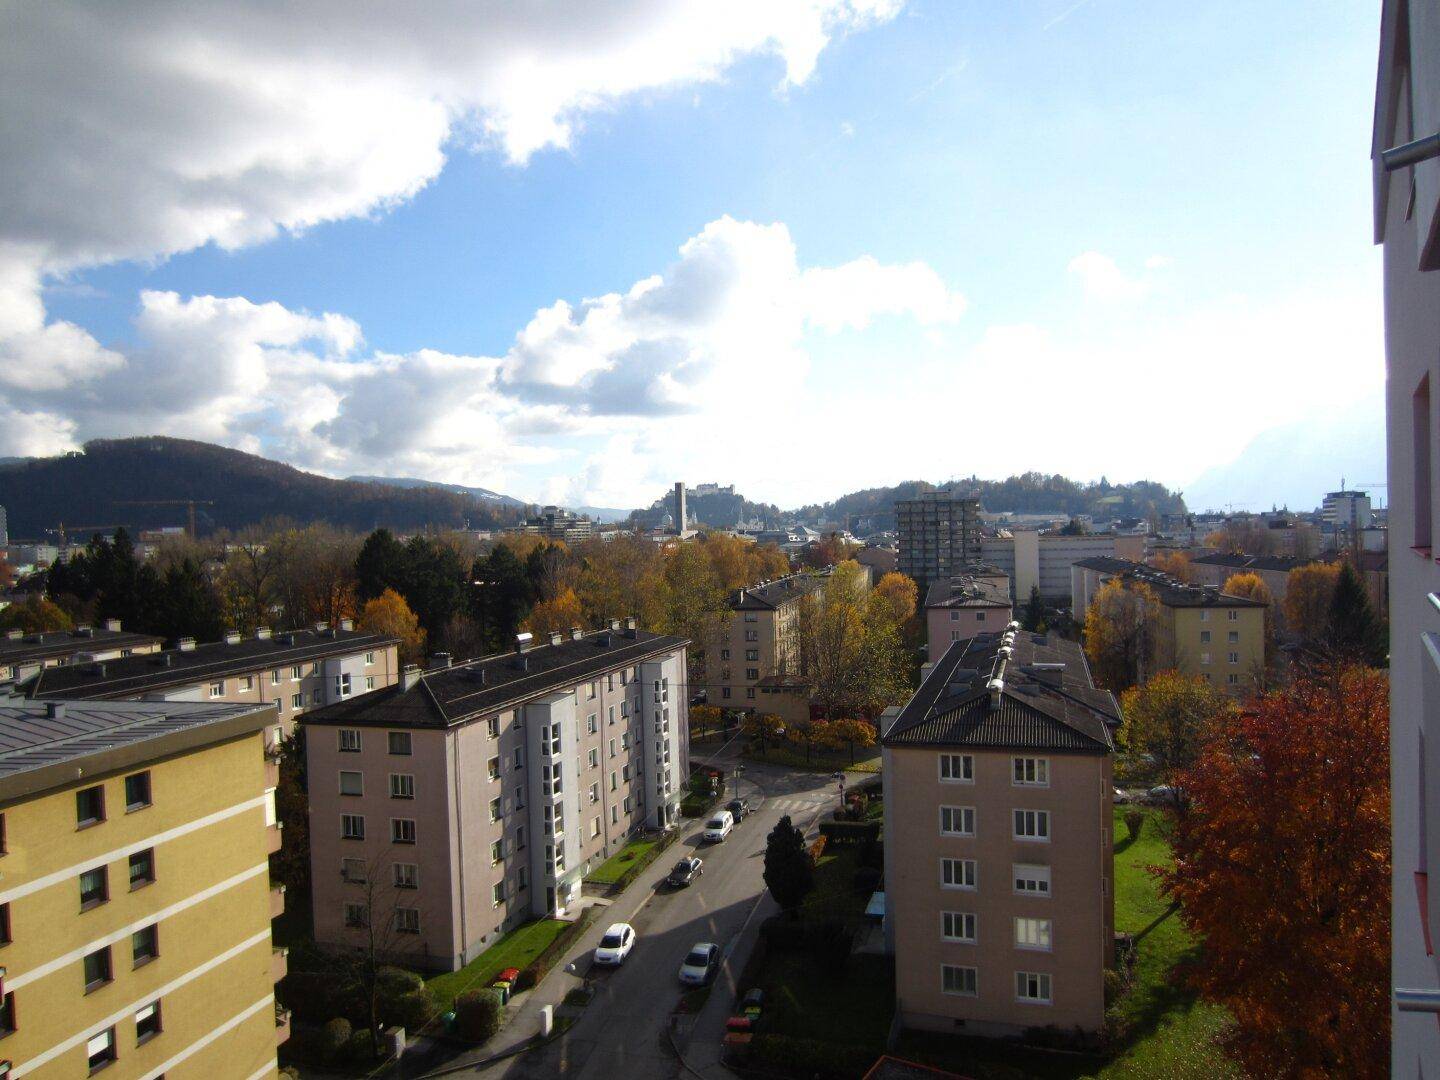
[89, 490]
[1029, 493]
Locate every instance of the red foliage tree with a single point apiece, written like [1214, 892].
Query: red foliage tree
[1282, 868]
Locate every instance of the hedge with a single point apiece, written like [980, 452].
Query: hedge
[633, 871]
[811, 1057]
[537, 969]
[850, 832]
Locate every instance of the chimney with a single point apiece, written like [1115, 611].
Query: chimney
[232, 637]
[14, 635]
[630, 623]
[439, 660]
[113, 625]
[321, 626]
[575, 633]
[1049, 674]
[55, 710]
[85, 631]
[187, 644]
[262, 633]
[409, 676]
[347, 624]
[524, 642]
[556, 637]
[614, 624]
[740, 599]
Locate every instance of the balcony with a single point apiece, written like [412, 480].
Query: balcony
[279, 964]
[282, 1024]
[277, 900]
[272, 771]
[274, 839]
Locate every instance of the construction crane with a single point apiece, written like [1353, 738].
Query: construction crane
[189, 504]
[61, 528]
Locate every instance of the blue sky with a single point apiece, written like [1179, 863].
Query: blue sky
[1095, 237]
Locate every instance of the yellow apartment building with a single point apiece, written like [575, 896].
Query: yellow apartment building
[135, 894]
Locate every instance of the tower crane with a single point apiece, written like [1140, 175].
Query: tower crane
[189, 504]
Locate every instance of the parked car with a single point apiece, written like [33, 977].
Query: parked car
[718, 827]
[686, 871]
[738, 807]
[1162, 793]
[615, 946]
[1121, 798]
[701, 964]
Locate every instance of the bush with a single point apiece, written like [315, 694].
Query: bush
[782, 934]
[1114, 986]
[867, 879]
[812, 1057]
[817, 849]
[850, 832]
[316, 997]
[412, 1011]
[1134, 822]
[829, 946]
[360, 1050]
[477, 1015]
[538, 968]
[333, 1038]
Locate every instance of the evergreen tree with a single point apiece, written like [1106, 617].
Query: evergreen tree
[1354, 631]
[434, 584]
[187, 605]
[789, 874]
[501, 598]
[381, 565]
[1033, 618]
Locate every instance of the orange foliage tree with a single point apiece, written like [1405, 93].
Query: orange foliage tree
[389, 614]
[1252, 586]
[1282, 868]
[1307, 599]
[560, 612]
[1174, 563]
[896, 596]
[1120, 633]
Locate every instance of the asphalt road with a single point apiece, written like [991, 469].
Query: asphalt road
[623, 1034]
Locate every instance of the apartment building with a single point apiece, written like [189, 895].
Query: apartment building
[557, 523]
[1407, 223]
[1201, 631]
[939, 532]
[974, 602]
[468, 799]
[999, 882]
[22, 654]
[135, 894]
[1043, 559]
[295, 671]
[755, 662]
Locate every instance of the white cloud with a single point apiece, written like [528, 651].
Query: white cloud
[1103, 280]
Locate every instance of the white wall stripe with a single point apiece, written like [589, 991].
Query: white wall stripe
[259, 1074]
[200, 1044]
[130, 849]
[18, 981]
[69, 1044]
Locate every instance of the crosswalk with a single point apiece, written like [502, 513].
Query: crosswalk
[790, 805]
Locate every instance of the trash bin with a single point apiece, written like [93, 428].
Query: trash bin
[510, 974]
[503, 989]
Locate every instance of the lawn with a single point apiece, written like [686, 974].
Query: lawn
[516, 949]
[611, 870]
[867, 758]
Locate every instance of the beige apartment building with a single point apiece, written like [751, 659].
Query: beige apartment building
[999, 883]
[974, 602]
[468, 799]
[1202, 631]
[22, 654]
[294, 671]
[135, 893]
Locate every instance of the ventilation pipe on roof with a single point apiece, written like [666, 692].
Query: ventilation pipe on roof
[262, 633]
[523, 642]
[84, 631]
[14, 635]
[996, 686]
[614, 625]
[187, 644]
[113, 625]
[321, 626]
[347, 625]
[439, 660]
[409, 676]
[630, 631]
[1013, 626]
[556, 637]
[232, 637]
[55, 710]
[576, 633]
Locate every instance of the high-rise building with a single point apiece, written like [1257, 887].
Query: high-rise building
[939, 533]
[1346, 512]
[4, 528]
[136, 897]
[1407, 223]
[680, 516]
[557, 523]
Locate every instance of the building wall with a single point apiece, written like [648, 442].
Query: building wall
[1184, 644]
[943, 626]
[210, 900]
[1080, 906]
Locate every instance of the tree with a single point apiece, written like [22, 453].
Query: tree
[7, 575]
[388, 614]
[35, 615]
[560, 613]
[1120, 638]
[762, 728]
[853, 733]
[188, 605]
[381, 564]
[292, 862]
[1174, 563]
[1307, 600]
[434, 585]
[1252, 586]
[500, 595]
[1282, 869]
[895, 596]
[1166, 722]
[1355, 633]
[789, 873]
[850, 649]
[693, 604]
[1033, 617]
[703, 719]
[1074, 527]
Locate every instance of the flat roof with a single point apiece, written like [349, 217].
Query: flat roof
[44, 646]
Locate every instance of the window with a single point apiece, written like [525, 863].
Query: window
[958, 980]
[1233, 637]
[369, 683]
[957, 768]
[494, 809]
[1030, 772]
[1204, 658]
[90, 806]
[492, 767]
[352, 826]
[275, 677]
[7, 1015]
[247, 682]
[750, 616]
[497, 894]
[497, 852]
[590, 692]
[1032, 987]
[624, 774]
[1032, 825]
[957, 873]
[614, 781]
[593, 759]
[315, 668]
[724, 654]
[349, 737]
[1032, 880]
[342, 686]
[725, 691]
[352, 783]
[142, 868]
[1204, 616]
[752, 673]
[979, 616]
[594, 793]
[352, 871]
[1233, 658]
[94, 888]
[957, 926]
[954, 616]
[147, 1023]
[145, 944]
[357, 916]
[316, 697]
[407, 920]
[1204, 637]
[97, 969]
[402, 786]
[522, 880]
[520, 838]
[369, 659]
[296, 673]
[592, 723]
[519, 757]
[1233, 679]
[752, 635]
[612, 747]
[1032, 934]
[4, 847]
[297, 701]
[595, 824]
[137, 791]
[957, 820]
[5, 938]
[614, 815]
[217, 689]
[402, 830]
[752, 654]
[406, 875]
[100, 1049]
[492, 727]
[1232, 616]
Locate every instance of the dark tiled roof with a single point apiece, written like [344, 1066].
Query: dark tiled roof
[1251, 562]
[772, 594]
[966, 592]
[141, 674]
[449, 695]
[1169, 590]
[67, 642]
[1041, 709]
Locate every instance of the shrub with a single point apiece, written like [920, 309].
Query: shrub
[867, 879]
[333, 1038]
[1114, 986]
[829, 946]
[412, 1011]
[316, 997]
[850, 832]
[477, 1015]
[782, 934]
[360, 1050]
[538, 968]
[1134, 822]
[812, 1057]
[817, 849]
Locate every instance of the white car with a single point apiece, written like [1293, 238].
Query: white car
[615, 946]
[701, 964]
[718, 827]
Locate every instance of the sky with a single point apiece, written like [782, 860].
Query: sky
[576, 251]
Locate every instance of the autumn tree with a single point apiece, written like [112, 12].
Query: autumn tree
[898, 595]
[853, 733]
[1120, 633]
[1282, 869]
[703, 720]
[1174, 563]
[693, 604]
[619, 577]
[851, 649]
[388, 614]
[35, 615]
[763, 728]
[559, 613]
[1307, 600]
[1165, 723]
[1355, 633]
[1252, 586]
[7, 575]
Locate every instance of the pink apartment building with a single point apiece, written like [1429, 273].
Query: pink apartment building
[468, 799]
[959, 608]
[999, 861]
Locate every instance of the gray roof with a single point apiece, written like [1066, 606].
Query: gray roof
[772, 594]
[1056, 708]
[967, 592]
[1251, 562]
[176, 667]
[451, 695]
[1171, 591]
[46, 646]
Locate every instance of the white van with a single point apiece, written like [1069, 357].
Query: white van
[719, 826]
